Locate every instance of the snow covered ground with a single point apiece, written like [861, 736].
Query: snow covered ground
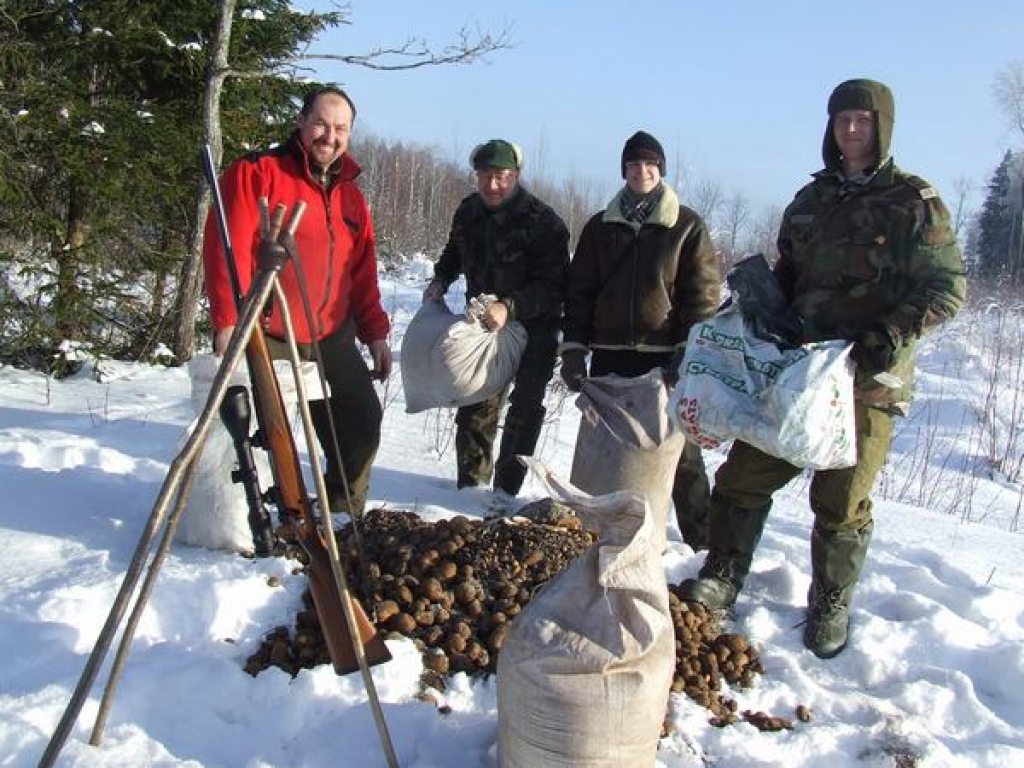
[934, 675]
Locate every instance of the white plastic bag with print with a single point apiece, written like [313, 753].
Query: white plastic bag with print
[585, 670]
[449, 360]
[797, 404]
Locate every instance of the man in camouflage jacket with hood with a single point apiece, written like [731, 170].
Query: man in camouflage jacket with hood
[866, 254]
[508, 243]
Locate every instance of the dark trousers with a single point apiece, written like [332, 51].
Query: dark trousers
[476, 426]
[355, 410]
[691, 491]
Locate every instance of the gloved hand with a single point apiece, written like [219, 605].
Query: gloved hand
[434, 291]
[670, 371]
[574, 368]
[874, 351]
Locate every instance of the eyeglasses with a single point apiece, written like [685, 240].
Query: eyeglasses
[500, 176]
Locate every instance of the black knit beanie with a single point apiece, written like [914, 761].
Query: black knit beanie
[642, 146]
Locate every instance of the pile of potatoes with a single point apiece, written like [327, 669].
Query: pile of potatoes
[454, 585]
[705, 657]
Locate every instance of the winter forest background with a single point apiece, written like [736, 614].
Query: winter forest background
[104, 106]
[99, 139]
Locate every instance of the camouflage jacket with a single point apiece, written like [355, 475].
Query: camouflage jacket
[877, 254]
[519, 252]
[641, 287]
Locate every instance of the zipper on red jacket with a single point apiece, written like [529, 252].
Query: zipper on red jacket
[325, 195]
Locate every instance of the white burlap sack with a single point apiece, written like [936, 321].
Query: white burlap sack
[585, 670]
[627, 440]
[216, 513]
[448, 360]
[796, 404]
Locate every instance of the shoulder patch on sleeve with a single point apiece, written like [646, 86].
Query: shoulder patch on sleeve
[924, 189]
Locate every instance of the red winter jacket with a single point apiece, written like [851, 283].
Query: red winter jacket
[335, 239]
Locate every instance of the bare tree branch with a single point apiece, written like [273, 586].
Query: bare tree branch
[962, 188]
[1008, 92]
[737, 213]
[415, 52]
[706, 196]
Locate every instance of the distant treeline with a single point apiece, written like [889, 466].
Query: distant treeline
[103, 111]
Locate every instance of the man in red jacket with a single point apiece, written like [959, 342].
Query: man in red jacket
[337, 258]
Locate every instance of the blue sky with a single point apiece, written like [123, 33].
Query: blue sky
[735, 91]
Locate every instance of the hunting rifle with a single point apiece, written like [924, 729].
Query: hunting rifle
[337, 610]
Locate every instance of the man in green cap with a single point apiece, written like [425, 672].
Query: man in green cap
[867, 255]
[509, 244]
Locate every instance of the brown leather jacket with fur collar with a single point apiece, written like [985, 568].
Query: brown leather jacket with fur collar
[641, 287]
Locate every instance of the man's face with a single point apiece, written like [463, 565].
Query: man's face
[854, 132]
[642, 176]
[496, 185]
[325, 131]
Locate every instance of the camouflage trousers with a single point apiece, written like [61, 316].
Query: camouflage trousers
[355, 411]
[476, 426]
[839, 498]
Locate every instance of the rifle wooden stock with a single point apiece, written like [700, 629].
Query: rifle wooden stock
[295, 508]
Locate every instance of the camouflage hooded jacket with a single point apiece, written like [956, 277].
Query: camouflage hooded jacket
[877, 255]
[519, 252]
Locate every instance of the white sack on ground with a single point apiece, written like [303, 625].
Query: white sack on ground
[627, 440]
[448, 360]
[797, 404]
[585, 670]
[216, 513]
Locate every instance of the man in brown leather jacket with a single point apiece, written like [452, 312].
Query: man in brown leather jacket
[643, 273]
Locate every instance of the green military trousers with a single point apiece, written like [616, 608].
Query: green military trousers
[839, 498]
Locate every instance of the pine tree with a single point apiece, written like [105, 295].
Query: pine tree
[104, 106]
[98, 108]
[994, 223]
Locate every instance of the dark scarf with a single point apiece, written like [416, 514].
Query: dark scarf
[638, 207]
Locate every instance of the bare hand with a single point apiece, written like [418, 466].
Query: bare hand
[433, 292]
[221, 339]
[495, 316]
[382, 360]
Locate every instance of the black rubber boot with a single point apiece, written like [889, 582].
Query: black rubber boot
[735, 534]
[837, 558]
